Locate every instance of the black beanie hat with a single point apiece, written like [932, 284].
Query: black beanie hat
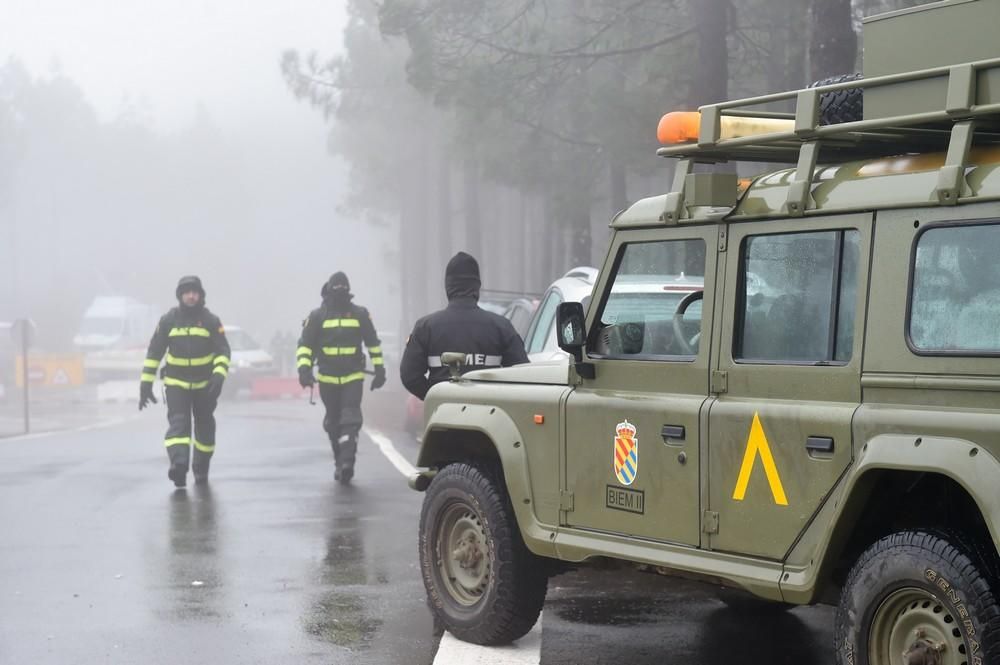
[189, 283]
[461, 277]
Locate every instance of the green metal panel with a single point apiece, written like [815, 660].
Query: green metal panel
[948, 33]
[649, 395]
[791, 403]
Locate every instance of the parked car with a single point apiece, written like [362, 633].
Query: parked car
[249, 361]
[540, 337]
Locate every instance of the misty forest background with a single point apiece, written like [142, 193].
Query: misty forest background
[512, 129]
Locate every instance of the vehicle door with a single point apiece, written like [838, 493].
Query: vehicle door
[788, 377]
[632, 431]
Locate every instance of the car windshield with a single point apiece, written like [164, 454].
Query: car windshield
[646, 307]
[240, 341]
[101, 325]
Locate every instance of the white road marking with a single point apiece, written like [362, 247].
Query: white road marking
[452, 651]
[74, 430]
[384, 444]
[526, 651]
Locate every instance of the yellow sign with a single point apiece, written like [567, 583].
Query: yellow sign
[51, 370]
[757, 445]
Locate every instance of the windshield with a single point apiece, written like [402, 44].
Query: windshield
[240, 341]
[646, 307]
[101, 325]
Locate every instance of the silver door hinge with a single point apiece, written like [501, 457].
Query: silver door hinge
[566, 501]
[710, 522]
[722, 239]
[720, 381]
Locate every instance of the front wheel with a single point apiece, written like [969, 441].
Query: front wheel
[914, 598]
[482, 582]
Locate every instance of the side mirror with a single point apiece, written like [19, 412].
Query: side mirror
[570, 322]
[453, 361]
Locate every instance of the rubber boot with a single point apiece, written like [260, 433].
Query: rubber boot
[348, 453]
[178, 474]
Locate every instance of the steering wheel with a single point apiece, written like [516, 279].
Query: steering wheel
[687, 345]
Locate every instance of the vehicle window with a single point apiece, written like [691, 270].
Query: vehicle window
[545, 322]
[955, 304]
[642, 315]
[797, 297]
[241, 341]
[520, 317]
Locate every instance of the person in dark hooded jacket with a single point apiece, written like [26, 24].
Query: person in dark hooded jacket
[331, 339]
[487, 339]
[197, 363]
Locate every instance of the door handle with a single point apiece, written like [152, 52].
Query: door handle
[672, 432]
[819, 444]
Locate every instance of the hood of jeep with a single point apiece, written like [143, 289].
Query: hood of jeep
[554, 372]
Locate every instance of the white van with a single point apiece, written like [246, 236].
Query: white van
[115, 323]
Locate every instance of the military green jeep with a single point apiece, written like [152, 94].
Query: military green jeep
[803, 399]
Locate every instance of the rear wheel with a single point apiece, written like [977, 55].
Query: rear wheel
[917, 599]
[483, 584]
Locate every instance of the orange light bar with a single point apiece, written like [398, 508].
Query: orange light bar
[683, 127]
[679, 127]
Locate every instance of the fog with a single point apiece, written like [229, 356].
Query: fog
[145, 140]
[263, 146]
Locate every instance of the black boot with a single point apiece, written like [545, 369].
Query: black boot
[178, 474]
[348, 452]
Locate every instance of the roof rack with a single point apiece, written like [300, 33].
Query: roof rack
[967, 110]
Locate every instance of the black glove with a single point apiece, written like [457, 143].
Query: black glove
[306, 376]
[379, 379]
[146, 394]
[215, 385]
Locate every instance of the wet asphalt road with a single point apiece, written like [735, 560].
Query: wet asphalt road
[102, 561]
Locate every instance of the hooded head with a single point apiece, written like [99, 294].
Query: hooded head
[461, 277]
[190, 283]
[337, 289]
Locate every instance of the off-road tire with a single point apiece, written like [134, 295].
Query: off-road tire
[843, 105]
[911, 582]
[464, 498]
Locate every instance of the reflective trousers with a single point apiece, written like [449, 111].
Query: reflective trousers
[343, 418]
[182, 405]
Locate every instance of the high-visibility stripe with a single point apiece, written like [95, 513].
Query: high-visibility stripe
[147, 377]
[340, 380]
[186, 385]
[304, 351]
[221, 360]
[221, 369]
[304, 362]
[471, 359]
[374, 350]
[151, 362]
[377, 360]
[342, 323]
[178, 441]
[201, 361]
[193, 330]
[340, 350]
[203, 447]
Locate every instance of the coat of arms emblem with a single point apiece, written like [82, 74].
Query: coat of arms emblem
[626, 453]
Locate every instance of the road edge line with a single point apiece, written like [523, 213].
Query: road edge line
[389, 451]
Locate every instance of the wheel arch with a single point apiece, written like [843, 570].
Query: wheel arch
[487, 434]
[940, 484]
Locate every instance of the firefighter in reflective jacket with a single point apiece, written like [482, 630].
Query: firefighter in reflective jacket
[197, 362]
[487, 339]
[331, 339]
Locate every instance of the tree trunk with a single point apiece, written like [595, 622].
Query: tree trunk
[834, 46]
[470, 207]
[711, 83]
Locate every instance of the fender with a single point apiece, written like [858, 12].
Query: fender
[971, 466]
[497, 430]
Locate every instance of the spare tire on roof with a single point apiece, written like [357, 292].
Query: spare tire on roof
[845, 105]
